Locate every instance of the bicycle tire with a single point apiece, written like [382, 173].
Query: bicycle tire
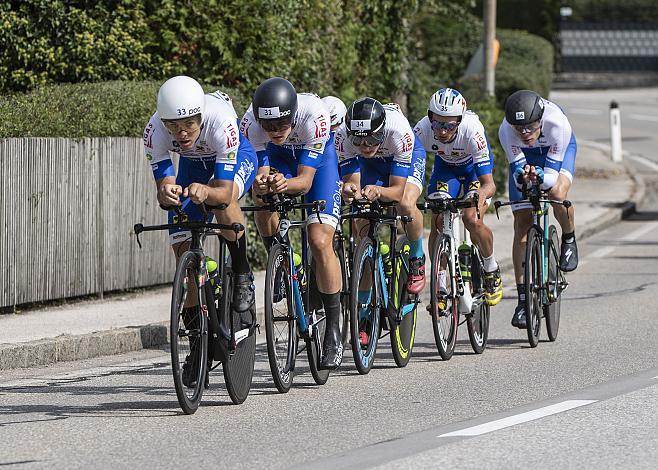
[183, 333]
[281, 341]
[364, 312]
[477, 323]
[314, 347]
[444, 322]
[403, 333]
[552, 310]
[345, 295]
[533, 287]
[238, 368]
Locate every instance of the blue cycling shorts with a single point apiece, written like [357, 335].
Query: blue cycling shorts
[449, 181]
[326, 183]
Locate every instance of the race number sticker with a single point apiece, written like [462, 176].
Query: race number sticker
[272, 113]
[360, 124]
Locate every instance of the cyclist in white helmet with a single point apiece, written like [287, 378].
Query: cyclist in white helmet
[463, 165]
[337, 111]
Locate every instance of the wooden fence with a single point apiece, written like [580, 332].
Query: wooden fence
[67, 210]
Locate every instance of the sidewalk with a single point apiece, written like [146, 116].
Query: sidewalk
[603, 193]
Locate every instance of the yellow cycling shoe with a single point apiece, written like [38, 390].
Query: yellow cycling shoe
[493, 286]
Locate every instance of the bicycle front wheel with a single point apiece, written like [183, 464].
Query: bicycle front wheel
[364, 306]
[533, 285]
[404, 332]
[280, 323]
[188, 336]
[444, 301]
[552, 310]
[238, 367]
[477, 322]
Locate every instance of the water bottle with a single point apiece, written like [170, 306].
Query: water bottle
[385, 251]
[464, 255]
[213, 276]
[301, 277]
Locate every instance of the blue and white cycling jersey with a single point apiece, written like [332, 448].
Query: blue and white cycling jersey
[220, 152]
[308, 144]
[460, 162]
[554, 150]
[400, 153]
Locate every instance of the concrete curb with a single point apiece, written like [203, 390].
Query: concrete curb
[123, 340]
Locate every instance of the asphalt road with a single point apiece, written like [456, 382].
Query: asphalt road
[588, 400]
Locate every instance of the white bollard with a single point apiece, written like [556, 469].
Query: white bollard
[615, 131]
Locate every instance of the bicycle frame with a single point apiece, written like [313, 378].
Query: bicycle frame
[376, 218]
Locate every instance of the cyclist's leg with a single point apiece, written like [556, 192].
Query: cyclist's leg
[564, 216]
[326, 187]
[407, 206]
[239, 175]
[522, 222]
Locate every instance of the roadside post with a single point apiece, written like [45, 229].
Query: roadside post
[615, 131]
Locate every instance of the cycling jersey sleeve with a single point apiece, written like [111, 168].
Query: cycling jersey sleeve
[481, 151]
[156, 150]
[559, 134]
[225, 140]
[252, 131]
[402, 152]
[511, 147]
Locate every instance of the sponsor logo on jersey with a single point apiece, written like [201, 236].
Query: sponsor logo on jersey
[148, 136]
[321, 127]
[149, 157]
[313, 155]
[480, 141]
[228, 167]
[231, 156]
[232, 137]
[455, 153]
[473, 185]
[407, 142]
[317, 146]
[436, 147]
[441, 186]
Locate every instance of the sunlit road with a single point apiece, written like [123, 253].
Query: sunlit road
[588, 400]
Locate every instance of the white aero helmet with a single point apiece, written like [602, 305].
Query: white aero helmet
[336, 108]
[180, 97]
[447, 102]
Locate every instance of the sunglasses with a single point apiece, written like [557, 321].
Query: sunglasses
[527, 128]
[187, 125]
[448, 126]
[368, 140]
[275, 125]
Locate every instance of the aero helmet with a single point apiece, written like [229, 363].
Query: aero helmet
[523, 107]
[179, 98]
[336, 108]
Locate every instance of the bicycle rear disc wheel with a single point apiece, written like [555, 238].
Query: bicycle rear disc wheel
[364, 307]
[239, 367]
[403, 333]
[444, 320]
[314, 346]
[477, 322]
[280, 323]
[552, 310]
[188, 336]
[533, 286]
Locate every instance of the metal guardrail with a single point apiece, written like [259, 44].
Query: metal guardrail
[66, 215]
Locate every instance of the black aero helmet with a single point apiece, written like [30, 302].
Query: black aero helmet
[275, 99]
[523, 107]
[366, 117]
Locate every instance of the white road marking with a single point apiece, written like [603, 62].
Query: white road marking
[589, 112]
[520, 418]
[643, 117]
[606, 250]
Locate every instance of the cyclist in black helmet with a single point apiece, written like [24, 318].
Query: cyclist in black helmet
[290, 132]
[541, 149]
[381, 158]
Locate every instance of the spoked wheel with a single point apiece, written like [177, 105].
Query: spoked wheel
[239, 367]
[533, 286]
[188, 337]
[444, 302]
[280, 323]
[552, 310]
[477, 322]
[364, 307]
[403, 333]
